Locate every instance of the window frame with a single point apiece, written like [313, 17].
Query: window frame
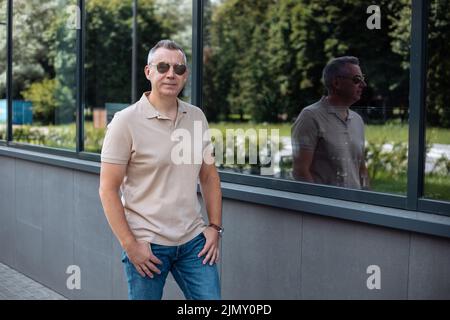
[413, 200]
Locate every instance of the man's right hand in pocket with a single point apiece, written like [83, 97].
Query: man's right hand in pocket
[141, 256]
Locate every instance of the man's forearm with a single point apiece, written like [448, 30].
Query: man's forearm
[364, 177]
[115, 215]
[212, 196]
[303, 174]
[306, 176]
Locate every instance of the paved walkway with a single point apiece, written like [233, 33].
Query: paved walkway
[16, 286]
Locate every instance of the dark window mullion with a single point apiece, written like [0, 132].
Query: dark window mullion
[197, 52]
[80, 80]
[9, 62]
[417, 95]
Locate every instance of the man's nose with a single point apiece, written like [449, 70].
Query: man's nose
[171, 72]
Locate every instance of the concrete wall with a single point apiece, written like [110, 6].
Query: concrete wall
[51, 218]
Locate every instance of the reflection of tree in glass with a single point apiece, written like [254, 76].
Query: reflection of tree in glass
[265, 58]
[108, 45]
[43, 59]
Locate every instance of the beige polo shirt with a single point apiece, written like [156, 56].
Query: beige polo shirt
[159, 191]
[338, 144]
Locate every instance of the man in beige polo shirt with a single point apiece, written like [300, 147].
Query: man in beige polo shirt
[328, 137]
[158, 220]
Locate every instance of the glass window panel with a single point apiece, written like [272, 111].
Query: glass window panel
[437, 165]
[108, 57]
[263, 64]
[44, 72]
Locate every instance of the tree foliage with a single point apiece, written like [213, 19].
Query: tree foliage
[45, 51]
[265, 58]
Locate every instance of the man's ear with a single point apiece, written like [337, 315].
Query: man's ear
[335, 83]
[147, 72]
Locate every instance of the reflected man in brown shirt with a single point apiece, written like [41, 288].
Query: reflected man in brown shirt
[327, 137]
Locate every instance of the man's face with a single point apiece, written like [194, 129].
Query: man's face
[350, 85]
[168, 83]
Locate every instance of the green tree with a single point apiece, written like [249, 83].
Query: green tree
[32, 20]
[42, 95]
[438, 72]
[234, 56]
[268, 56]
[109, 44]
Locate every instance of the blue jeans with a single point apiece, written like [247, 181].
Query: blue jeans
[198, 281]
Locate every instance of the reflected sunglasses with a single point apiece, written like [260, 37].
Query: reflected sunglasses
[163, 67]
[357, 79]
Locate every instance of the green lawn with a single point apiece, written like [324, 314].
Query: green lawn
[436, 187]
[374, 133]
[285, 129]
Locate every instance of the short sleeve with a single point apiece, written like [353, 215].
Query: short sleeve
[117, 143]
[305, 132]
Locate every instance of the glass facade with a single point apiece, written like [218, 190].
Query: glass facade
[44, 73]
[108, 64]
[262, 64]
[437, 164]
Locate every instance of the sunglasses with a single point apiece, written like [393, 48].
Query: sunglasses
[355, 79]
[163, 67]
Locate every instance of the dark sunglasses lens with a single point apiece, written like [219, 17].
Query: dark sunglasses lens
[357, 80]
[163, 67]
[179, 69]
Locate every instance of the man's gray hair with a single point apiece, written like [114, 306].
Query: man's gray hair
[166, 44]
[334, 68]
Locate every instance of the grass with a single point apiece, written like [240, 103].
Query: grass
[436, 186]
[285, 129]
[399, 133]
[388, 183]
[374, 133]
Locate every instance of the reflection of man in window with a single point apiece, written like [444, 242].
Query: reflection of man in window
[328, 137]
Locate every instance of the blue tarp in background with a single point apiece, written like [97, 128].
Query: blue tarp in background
[22, 112]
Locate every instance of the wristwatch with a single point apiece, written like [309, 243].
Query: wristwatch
[218, 228]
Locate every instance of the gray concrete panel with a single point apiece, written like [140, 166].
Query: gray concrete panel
[58, 227]
[29, 193]
[7, 210]
[91, 226]
[96, 274]
[261, 252]
[171, 290]
[29, 253]
[92, 239]
[336, 255]
[429, 274]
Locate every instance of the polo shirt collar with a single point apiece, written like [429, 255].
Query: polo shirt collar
[332, 109]
[150, 111]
